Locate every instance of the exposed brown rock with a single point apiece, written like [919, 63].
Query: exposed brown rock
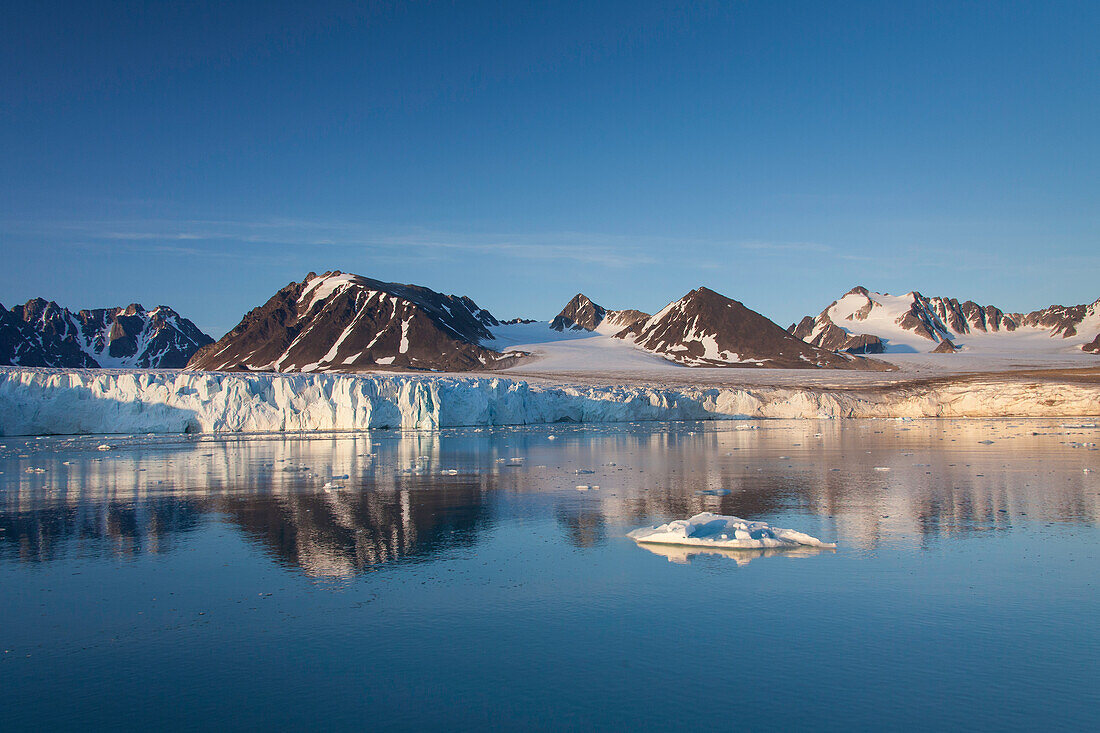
[935, 319]
[834, 338]
[348, 323]
[705, 328]
[581, 314]
[50, 335]
[1061, 320]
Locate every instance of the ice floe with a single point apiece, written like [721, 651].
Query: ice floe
[724, 531]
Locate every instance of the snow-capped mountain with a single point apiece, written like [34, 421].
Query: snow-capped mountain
[42, 333]
[345, 323]
[22, 345]
[705, 328]
[862, 321]
[581, 314]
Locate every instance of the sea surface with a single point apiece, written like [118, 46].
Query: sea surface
[461, 580]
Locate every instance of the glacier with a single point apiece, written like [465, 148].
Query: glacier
[39, 401]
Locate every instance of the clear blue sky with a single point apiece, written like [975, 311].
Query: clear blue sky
[205, 154]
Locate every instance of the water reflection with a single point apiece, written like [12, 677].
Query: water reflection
[341, 533]
[413, 496]
[683, 554]
[121, 529]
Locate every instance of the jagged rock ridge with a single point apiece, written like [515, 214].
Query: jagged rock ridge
[581, 314]
[862, 321]
[705, 328]
[340, 322]
[42, 333]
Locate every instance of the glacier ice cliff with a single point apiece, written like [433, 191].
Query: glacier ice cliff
[53, 401]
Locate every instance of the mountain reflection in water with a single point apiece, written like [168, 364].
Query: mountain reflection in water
[413, 496]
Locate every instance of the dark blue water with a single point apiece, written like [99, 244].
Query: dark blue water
[179, 584]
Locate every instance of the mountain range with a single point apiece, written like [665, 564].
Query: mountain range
[341, 322]
[705, 328]
[41, 333]
[866, 322]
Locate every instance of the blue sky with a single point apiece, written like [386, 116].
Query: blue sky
[205, 154]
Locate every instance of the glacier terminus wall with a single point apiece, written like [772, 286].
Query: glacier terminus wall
[62, 402]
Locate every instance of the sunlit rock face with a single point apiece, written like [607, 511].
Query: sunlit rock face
[862, 321]
[338, 322]
[705, 328]
[581, 314]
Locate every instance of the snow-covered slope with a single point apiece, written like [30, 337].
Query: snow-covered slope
[867, 322]
[42, 333]
[40, 401]
[346, 323]
[705, 328]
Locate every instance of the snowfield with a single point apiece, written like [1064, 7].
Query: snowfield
[54, 401]
[597, 357]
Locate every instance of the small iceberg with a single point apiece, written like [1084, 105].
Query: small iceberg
[722, 531]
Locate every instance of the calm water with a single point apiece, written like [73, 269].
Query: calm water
[180, 584]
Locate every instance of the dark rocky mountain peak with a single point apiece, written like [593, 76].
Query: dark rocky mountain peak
[341, 322]
[705, 328]
[581, 314]
[42, 333]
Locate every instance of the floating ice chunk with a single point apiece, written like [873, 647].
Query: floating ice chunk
[682, 554]
[105, 447]
[882, 468]
[719, 530]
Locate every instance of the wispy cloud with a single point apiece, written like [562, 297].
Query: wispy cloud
[262, 238]
[617, 251]
[764, 246]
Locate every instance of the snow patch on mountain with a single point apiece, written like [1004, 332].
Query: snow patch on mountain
[862, 321]
[581, 314]
[347, 323]
[705, 328]
[42, 333]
